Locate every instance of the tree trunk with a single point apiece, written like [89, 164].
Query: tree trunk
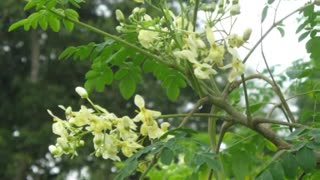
[35, 57]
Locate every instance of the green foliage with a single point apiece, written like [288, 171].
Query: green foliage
[47, 15]
[123, 59]
[194, 157]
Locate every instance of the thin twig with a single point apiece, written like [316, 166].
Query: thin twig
[249, 118]
[199, 103]
[271, 28]
[276, 87]
[260, 120]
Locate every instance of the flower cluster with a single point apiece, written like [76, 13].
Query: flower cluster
[175, 38]
[111, 134]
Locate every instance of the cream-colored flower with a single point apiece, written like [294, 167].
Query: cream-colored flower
[130, 147]
[82, 117]
[125, 126]
[237, 66]
[237, 69]
[151, 130]
[235, 41]
[55, 150]
[216, 52]
[59, 128]
[145, 115]
[186, 54]
[107, 146]
[148, 37]
[203, 71]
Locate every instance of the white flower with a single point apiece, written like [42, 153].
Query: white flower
[82, 92]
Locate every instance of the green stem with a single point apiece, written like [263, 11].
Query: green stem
[195, 14]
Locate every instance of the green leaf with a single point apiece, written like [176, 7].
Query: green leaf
[127, 87]
[312, 47]
[54, 23]
[51, 4]
[240, 165]
[280, 29]
[173, 92]
[296, 134]
[43, 22]
[98, 77]
[289, 165]
[306, 159]
[270, 1]
[67, 52]
[255, 107]
[71, 14]
[17, 24]
[303, 36]
[166, 156]
[68, 25]
[121, 73]
[264, 13]
[302, 26]
[266, 175]
[276, 170]
[118, 57]
[30, 5]
[127, 169]
[149, 66]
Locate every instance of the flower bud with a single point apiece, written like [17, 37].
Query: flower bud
[55, 150]
[142, 10]
[235, 10]
[119, 15]
[135, 10]
[119, 29]
[209, 7]
[82, 92]
[246, 35]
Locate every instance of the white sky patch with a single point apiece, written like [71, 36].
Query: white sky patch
[278, 50]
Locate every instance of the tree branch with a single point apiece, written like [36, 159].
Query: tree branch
[194, 109]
